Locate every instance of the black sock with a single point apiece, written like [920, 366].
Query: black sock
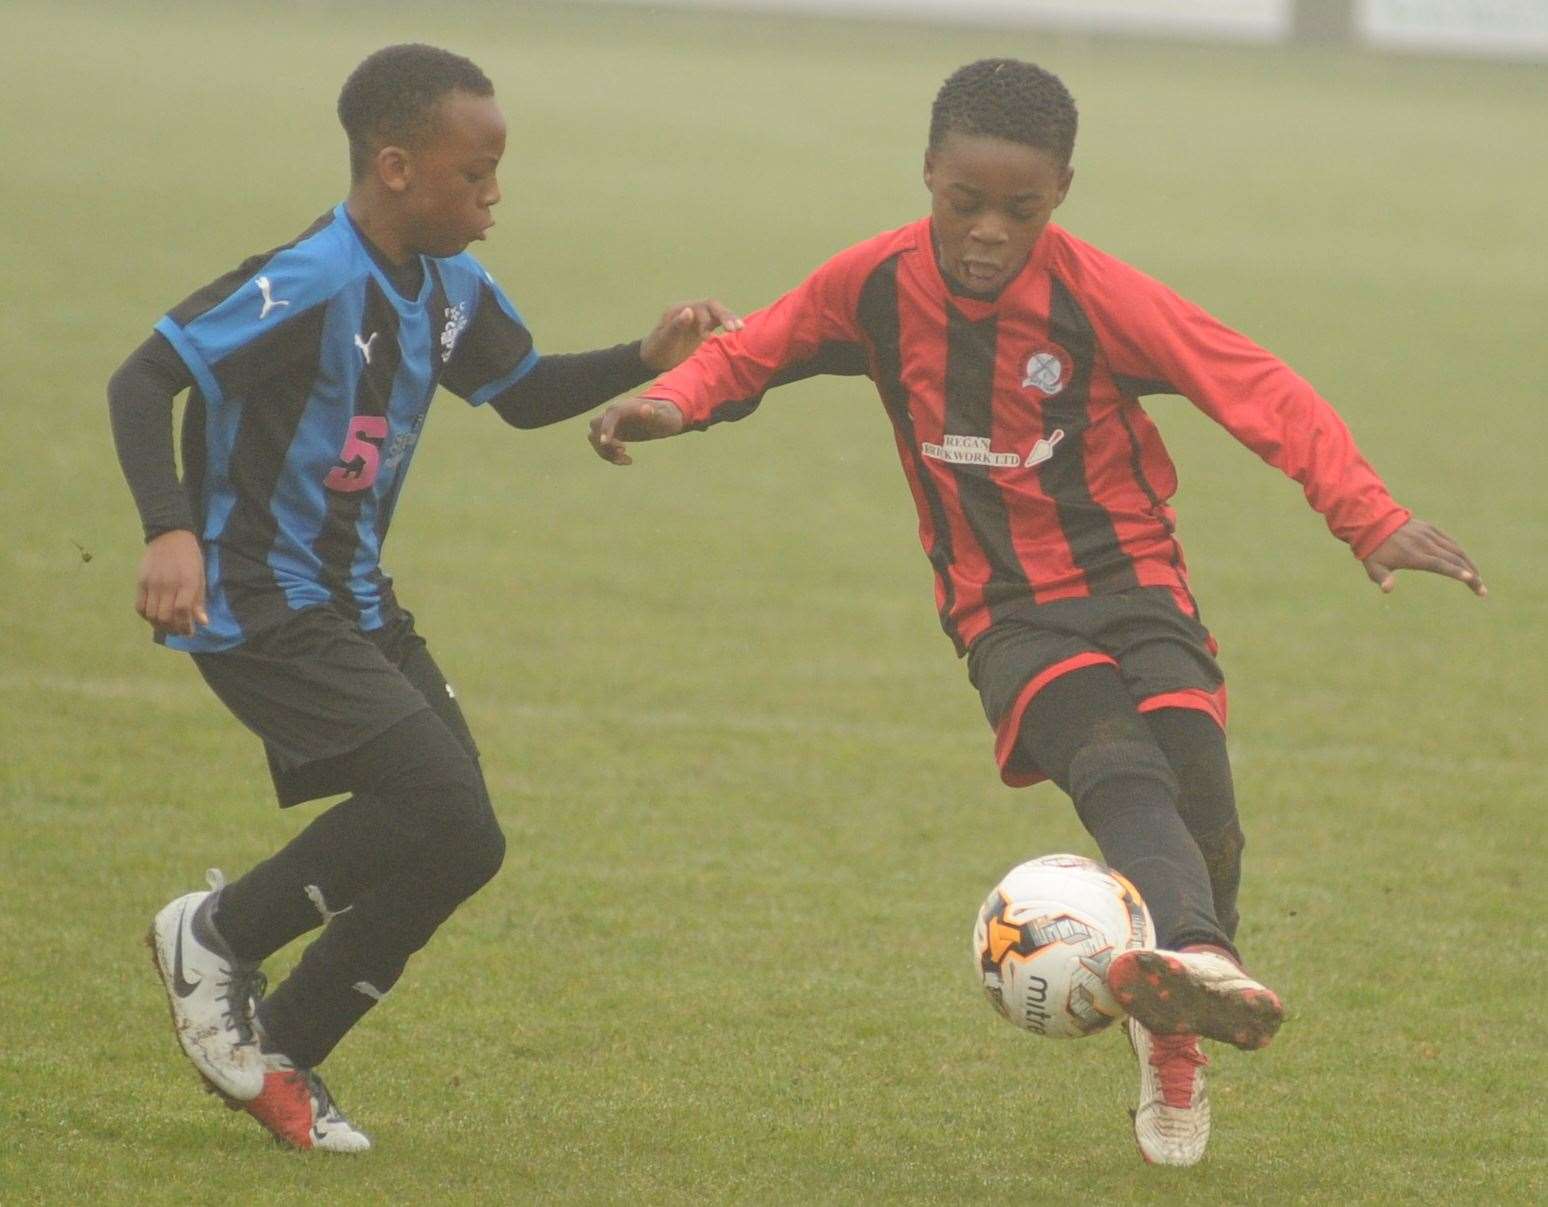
[317, 874]
[389, 866]
[1084, 732]
[361, 954]
[1126, 797]
[414, 784]
[1196, 749]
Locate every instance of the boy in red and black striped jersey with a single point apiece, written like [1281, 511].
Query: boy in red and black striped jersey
[1010, 357]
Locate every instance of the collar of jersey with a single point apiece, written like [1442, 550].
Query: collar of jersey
[374, 258]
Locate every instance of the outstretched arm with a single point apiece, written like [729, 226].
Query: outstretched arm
[808, 332]
[647, 418]
[562, 386]
[1172, 343]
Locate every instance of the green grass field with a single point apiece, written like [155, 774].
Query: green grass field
[750, 796]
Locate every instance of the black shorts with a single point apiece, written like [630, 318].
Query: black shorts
[316, 689]
[1166, 658]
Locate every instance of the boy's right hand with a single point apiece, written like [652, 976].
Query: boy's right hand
[633, 419]
[170, 593]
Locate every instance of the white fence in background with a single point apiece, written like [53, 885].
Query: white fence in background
[1515, 29]
[1240, 20]
[1506, 28]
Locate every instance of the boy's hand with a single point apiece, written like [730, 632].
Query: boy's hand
[170, 592]
[1418, 545]
[633, 419]
[682, 329]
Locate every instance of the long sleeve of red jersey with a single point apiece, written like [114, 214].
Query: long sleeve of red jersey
[812, 329]
[1150, 333]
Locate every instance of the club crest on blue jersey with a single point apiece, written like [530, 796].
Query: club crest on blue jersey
[456, 320]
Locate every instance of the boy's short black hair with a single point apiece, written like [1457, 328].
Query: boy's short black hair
[1009, 99]
[389, 98]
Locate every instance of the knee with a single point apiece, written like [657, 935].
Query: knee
[1109, 773]
[482, 856]
[471, 846]
[466, 857]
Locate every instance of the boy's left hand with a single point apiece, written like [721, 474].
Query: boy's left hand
[682, 329]
[1419, 545]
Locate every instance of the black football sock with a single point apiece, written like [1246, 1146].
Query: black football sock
[1084, 732]
[361, 953]
[317, 874]
[1125, 795]
[414, 782]
[1196, 749]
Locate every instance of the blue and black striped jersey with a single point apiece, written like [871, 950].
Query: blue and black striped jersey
[313, 376]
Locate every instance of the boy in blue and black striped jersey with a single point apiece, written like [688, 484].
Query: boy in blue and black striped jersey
[312, 376]
[310, 371]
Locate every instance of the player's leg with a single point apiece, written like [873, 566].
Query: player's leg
[417, 792]
[420, 817]
[438, 799]
[441, 802]
[367, 839]
[311, 688]
[1166, 657]
[1084, 732]
[1196, 749]
[1205, 982]
[373, 930]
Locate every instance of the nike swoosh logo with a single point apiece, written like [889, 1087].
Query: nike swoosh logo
[180, 986]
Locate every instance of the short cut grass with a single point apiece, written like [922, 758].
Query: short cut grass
[391, 97]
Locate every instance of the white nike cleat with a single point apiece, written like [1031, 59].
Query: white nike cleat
[210, 994]
[1195, 992]
[296, 1107]
[1171, 1123]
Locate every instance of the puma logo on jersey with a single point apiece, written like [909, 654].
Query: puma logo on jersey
[269, 300]
[1043, 450]
[365, 345]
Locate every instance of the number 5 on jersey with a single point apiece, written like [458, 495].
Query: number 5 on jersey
[359, 458]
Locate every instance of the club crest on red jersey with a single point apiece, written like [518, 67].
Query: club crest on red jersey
[1047, 370]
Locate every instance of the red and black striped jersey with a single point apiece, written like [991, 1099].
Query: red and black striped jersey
[1036, 472]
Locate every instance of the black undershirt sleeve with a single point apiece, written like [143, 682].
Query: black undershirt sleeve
[140, 398]
[560, 387]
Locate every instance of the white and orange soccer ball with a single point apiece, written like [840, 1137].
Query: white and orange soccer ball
[1045, 937]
